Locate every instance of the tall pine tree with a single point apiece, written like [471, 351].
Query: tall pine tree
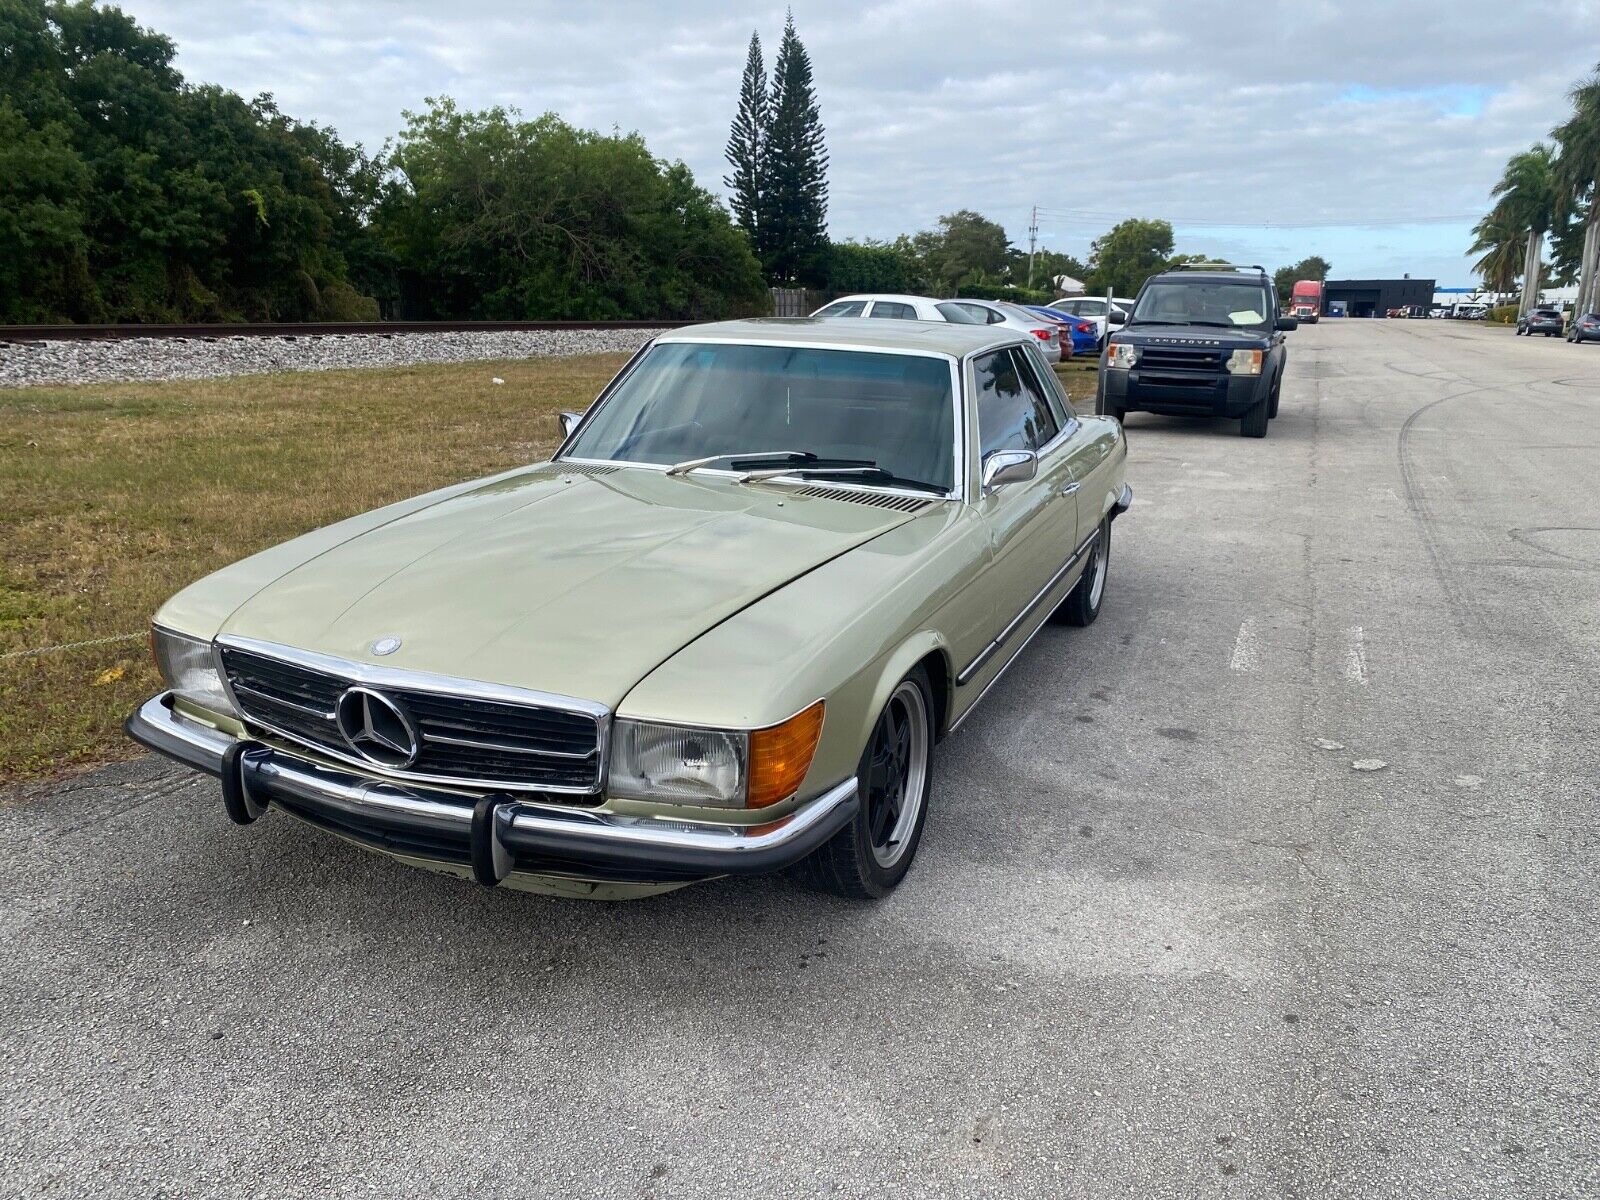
[794, 196]
[747, 143]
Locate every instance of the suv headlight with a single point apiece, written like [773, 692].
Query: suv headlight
[1122, 356]
[716, 768]
[189, 667]
[1245, 362]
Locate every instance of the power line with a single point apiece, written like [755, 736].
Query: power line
[1212, 223]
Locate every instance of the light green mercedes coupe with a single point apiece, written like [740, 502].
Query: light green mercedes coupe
[719, 633]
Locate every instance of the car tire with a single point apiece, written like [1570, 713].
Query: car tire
[1082, 604]
[1254, 422]
[1272, 399]
[869, 856]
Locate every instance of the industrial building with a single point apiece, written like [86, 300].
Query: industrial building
[1375, 297]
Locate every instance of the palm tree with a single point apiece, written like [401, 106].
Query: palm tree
[1577, 176]
[1503, 250]
[1527, 203]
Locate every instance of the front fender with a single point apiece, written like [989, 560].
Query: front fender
[845, 633]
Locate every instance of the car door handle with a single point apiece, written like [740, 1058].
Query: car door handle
[1068, 488]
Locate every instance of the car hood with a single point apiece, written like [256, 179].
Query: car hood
[555, 579]
[1154, 334]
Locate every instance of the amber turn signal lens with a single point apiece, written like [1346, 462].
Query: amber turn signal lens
[781, 756]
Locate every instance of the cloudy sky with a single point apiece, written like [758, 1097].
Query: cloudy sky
[1367, 132]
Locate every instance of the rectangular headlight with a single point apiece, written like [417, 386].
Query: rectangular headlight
[1122, 356]
[190, 669]
[1245, 362]
[719, 768]
[678, 765]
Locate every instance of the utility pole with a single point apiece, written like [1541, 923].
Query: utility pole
[1033, 239]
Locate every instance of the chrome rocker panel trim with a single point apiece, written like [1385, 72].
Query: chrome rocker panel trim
[494, 834]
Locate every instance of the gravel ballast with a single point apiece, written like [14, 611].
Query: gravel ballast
[29, 364]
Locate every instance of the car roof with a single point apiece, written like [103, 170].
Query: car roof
[1233, 276]
[901, 297]
[935, 337]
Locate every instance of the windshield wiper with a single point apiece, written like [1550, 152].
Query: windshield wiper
[848, 467]
[739, 456]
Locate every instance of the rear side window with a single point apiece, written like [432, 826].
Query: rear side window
[981, 314]
[959, 314]
[845, 308]
[893, 310]
[1011, 415]
[1042, 380]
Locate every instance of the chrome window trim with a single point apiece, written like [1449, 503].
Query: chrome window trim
[616, 382]
[399, 678]
[970, 380]
[964, 676]
[959, 465]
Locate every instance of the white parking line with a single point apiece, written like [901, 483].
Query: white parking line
[1355, 655]
[1246, 648]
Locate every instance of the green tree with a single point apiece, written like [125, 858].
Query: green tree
[1126, 255]
[126, 193]
[1284, 278]
[1527, 202]
[794, 207]
[747, 142]
[498, 217]
[1576, 169]
[866, 267]
[1501, 247]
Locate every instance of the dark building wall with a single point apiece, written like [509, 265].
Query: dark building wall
[1374, 297]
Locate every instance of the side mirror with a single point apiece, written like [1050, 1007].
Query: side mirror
[1286, 324]
[1117, 317]
[569, 422]
[1001, 467]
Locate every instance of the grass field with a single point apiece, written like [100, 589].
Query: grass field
[113, 497]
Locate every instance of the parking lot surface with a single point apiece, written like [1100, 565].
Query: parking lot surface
[1278, 881]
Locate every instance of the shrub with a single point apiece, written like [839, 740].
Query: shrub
[1013, 295]
[1504, 314]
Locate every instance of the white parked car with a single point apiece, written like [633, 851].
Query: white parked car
[893, 307]
[1093, 308]
[1012, 316]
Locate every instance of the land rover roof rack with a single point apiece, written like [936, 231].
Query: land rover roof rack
[1219, 266]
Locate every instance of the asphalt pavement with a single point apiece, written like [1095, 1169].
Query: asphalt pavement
[1278, 881]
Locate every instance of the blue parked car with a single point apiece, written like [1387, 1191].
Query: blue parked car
[1084, 339]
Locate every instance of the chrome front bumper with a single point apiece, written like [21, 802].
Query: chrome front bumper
[492, 834]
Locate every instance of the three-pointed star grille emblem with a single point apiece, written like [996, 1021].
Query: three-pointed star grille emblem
[377, 728]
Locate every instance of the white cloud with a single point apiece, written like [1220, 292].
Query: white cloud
[1206, 113]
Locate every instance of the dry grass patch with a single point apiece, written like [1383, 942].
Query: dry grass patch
[112, 497]
[1080, 376]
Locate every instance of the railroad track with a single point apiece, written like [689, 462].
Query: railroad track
[291, 330]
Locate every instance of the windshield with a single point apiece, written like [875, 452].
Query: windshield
[1210, 302]
[688, 401]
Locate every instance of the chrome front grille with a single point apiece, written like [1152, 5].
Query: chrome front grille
[476, 740]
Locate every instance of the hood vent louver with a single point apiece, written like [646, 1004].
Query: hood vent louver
[907, 504]
[579, 469]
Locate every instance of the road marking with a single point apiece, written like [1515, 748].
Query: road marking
[1246, 650]
[1355, 655]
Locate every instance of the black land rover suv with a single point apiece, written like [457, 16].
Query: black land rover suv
[1205, 340]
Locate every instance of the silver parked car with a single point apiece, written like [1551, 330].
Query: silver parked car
[1013, 316]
